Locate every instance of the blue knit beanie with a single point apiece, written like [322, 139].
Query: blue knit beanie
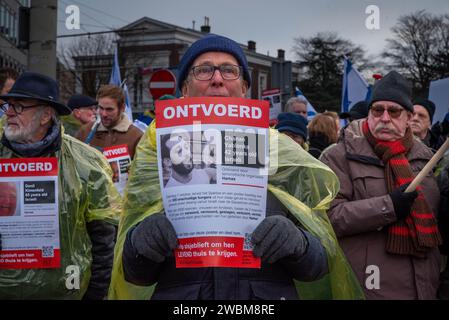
[212, 42]
[292, 122]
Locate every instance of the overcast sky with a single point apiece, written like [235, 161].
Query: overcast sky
[271, 24]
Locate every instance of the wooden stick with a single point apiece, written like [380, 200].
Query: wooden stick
[429, 166]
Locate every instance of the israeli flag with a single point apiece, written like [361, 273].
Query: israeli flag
[311, 112]
[355, 87]
[117, 80]
[140, 125]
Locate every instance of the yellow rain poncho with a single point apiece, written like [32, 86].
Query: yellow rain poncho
[86, 193]
[303, 184]
[71, 124]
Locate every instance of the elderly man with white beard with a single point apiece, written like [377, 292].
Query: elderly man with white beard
[88, 202]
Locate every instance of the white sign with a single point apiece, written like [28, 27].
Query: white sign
[29, 213]
[213, 177]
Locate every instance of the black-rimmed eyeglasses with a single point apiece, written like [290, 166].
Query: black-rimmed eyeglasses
[206, 72]
[18, 108]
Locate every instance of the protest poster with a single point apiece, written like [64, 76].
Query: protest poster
[212, 160]
[119, 160]
[29, 213]
[273, 96]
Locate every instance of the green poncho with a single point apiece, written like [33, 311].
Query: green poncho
[303, 184]
[86, 193]
[71, 125]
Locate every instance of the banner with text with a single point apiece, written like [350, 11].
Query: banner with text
[213, 164]
[273, 96]
[119, 160]
[29, 213]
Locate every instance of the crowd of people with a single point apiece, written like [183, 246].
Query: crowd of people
[357, 216]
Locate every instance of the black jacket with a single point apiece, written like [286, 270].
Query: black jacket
[317, 144]
[271, 282]
[102, 236]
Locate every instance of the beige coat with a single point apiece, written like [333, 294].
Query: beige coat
[362, 211]
[123, 133]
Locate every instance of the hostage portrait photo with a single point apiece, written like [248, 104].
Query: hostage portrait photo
[186, 161]
[9, 199]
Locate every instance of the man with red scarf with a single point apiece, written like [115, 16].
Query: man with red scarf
[390, 237]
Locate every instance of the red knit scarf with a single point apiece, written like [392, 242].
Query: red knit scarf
[418, 232]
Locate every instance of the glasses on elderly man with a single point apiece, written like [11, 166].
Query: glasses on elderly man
[18, 108]
[378, 111]
[206, 72]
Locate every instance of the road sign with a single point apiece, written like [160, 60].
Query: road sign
[162, 82]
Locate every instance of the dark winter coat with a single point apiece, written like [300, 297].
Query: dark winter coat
[271, 282]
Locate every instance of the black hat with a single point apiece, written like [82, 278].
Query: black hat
[293, 122]
[80, 101]
[428, 105]
[358, 111]
[32, 85]
[393, 87]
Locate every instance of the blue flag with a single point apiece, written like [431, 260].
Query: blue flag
[355, 87]
[311, 112]
[117, 80]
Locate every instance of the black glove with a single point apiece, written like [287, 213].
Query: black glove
[403, 201]
[155, 238]
[443, 289]
[277, 237]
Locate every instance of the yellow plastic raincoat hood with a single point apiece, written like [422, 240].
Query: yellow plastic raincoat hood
[86, 193]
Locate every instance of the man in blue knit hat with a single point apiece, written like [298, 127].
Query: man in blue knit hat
[217, 66]
[197, 76]
[293, 125]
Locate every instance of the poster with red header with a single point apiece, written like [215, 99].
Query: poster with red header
[273, 96]
[29, 213]
[212, 161]
[119, 160]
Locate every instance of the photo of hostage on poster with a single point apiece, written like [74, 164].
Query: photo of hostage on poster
[9, 201]
[213, 164]
[186, 172]
[119, 160]
[29, 215]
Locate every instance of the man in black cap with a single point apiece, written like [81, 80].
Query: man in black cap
[84, 110]
[421, 123]
[390, 237]
[88, 202]
[358, 111]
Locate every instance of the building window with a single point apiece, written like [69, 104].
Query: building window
[8, 23]
[262, 83]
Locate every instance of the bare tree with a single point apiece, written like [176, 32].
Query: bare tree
[89, 60]
[442, 48]
[321, 59]
[419, 48]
